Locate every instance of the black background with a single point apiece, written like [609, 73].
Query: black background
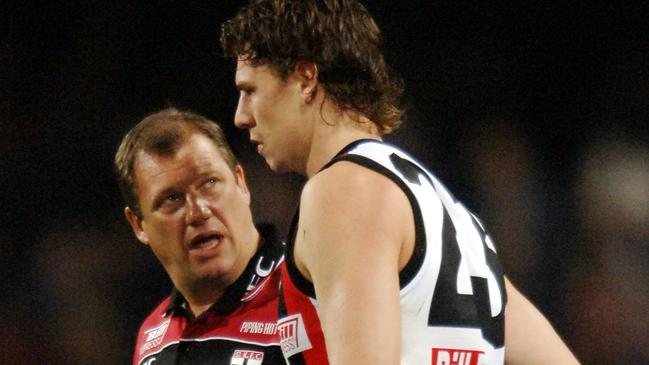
[557, 91]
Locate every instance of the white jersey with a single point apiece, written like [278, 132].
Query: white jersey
[452, 289]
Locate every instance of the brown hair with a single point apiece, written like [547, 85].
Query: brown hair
[163, 133]
[339, 36]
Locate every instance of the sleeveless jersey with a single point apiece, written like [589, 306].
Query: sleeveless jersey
[452, 289]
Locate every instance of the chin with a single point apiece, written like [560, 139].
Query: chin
[214, 268]
[219, 275]
[277, 166]
[273, 165]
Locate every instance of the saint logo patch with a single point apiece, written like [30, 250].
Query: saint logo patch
[245, 357]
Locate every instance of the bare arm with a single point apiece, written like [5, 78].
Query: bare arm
[348, 245]
[529, 337]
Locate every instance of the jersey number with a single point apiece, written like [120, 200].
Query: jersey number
[470, 286]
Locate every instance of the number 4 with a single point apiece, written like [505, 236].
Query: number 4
[470, 290]
[470, 286]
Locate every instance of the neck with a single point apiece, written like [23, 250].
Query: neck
[333, 131]
[201, 297]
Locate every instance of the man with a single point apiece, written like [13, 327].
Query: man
[187, 199]
[383, 264]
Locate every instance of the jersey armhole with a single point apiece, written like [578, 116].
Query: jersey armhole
[407, 274]
[299, 281]
[419, 250]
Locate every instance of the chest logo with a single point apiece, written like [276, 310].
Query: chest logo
[293, 336]
[244, 357]
[455, 357]
[153, 337]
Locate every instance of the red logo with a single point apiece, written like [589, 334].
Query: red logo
[455, 357]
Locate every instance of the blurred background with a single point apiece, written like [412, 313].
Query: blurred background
[536, 116]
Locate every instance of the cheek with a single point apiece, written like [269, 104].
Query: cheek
[265, 117]
[237, 211]
[166, 231]
[275, 108]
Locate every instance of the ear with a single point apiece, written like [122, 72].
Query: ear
[307, 73]
[240, 177]
[137, 225]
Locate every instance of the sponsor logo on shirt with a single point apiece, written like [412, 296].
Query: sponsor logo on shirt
[293, 336]
[245, 357]
[266, 328]
[455, 357]
[153, 337]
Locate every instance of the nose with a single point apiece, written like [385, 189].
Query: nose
[199, 212]
[243, 117]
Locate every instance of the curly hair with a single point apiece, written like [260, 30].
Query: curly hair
[163, 133]
[339, 36]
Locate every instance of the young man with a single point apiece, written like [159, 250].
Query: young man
[187, 199]
[383, 264]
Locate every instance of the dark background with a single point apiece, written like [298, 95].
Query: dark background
[536, 116]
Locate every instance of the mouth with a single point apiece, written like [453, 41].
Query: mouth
[259, 144]
[205, 241]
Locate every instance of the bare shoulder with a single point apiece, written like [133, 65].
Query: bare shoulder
[348, 208]
[348, 187]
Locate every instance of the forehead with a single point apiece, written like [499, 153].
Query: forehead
[197, 156]
[248, 73]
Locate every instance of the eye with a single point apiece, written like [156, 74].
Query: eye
[169, 202]
[174, 198]
[247, 91]
[212, 186]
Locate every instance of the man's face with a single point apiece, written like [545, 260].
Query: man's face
[272, 110]
[195, 213]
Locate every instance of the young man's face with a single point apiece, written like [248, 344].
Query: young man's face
[195, 213]
[272, 109]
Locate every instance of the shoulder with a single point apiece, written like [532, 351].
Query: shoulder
[153, 327]
[348, 203]
[347, 183]
[352, 196]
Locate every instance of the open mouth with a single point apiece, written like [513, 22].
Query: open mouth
[205, 241]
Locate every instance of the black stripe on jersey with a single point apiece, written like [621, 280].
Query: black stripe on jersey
[449, 308]
[209, 352]
[281, 310]
[346, 150]
[297, 359]
[419, 251]
[300, 282]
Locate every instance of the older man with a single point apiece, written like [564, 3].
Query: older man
[187, 199]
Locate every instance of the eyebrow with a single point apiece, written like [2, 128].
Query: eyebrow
[241, 85]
